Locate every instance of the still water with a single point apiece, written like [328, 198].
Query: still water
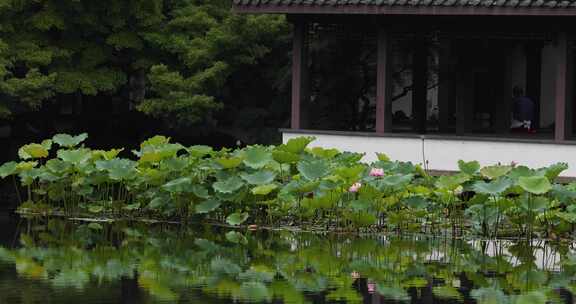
[54, 261]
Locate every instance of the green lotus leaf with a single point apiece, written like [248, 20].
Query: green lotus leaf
[154, 154]
[237, 218]
[382, 157]
[68, 141]
[174, 164]
[324, 153]
[131, 207]
[179, 185]
[228, 185]
[313, 169]
[107, 155]
[26, 166]
[296, 145]
[95, 209]
[393, 293]
[494, 172]
[537, 203]
[200, 191]
[8, 169]
[350, 173]
[469, 168]
[494, 187]
[236, 237]
[200, 151]
[229, 163]
[118, 169]
[259, 178]
[95, 226]
[361, 218]
[553, 171]
[520, 171]
[264, 189]
[535, 184]
[451, 182]
[284, 157]
[32, 151]
[207, 206]
[395, 180]
[257, 157]
[532, 297]
[447, 292]
[360, 205]
[157, 140]
[489, 296]
[75, 157]
[416, 202]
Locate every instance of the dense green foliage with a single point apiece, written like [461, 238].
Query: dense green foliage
[191, 265]
[290, 184]
[171, 58]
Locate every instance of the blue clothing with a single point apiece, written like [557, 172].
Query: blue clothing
[524, 109]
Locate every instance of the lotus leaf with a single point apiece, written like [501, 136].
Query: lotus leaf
[68, 141]
[489, 296]
[296, 145]
[495, 187]
[324, 153]
[236, 237]
[32, 151]
[257, 157]
[451, 182]
[393, 293]
[229, 163]
[107, 155]
[350, 173]
[447, 292]
[237, 218]
[536, 203]
[533, 297]
[95, 209]
[362, 218]
[416, 202]
[284, 157]
[179, 185]
[228, 185]
[535, 184]
[494, 172]
[521, 171]
[382, 157]
[553, 171]
[95, 226]
[118, 169]
[207, 206]
[360, 205]
[26, 166]
[58, 166]
[314, 169]
[75, 157]
[395, 180]
[255, 292]
[259, 178]
[157, 140]
[469, 168]
[200, 191]
[8, 169]
[130, 207]
[264, 189]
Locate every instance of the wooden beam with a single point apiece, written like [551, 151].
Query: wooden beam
[560, 86]
[298, 65]
[383, 104]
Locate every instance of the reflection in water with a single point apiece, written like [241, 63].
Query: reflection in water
[56, 261]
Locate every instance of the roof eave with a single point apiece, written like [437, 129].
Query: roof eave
[404, 10]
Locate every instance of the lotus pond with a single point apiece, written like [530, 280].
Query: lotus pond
[58, 261]
[289, 185]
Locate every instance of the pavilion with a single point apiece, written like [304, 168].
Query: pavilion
[430, 81]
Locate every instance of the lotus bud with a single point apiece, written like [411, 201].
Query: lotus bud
[371, 287]
[355, 187]
[513, 164]
[377, 172]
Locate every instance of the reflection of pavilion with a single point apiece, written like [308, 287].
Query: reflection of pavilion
[435, 77]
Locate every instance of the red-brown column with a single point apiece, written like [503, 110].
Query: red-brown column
[298, 66]
[383, 104]
[560, 87]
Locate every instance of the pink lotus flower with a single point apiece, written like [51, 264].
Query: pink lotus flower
[371, 287]
[513, 163]
[355, 187]
[377, 172]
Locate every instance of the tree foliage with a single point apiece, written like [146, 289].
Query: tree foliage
[171, 58]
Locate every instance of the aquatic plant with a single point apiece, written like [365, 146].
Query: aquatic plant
[289, 184]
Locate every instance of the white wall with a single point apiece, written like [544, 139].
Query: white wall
[444, 154]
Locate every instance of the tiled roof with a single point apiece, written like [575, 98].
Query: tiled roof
[556, 5]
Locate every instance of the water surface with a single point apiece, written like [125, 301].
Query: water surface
[55, 261]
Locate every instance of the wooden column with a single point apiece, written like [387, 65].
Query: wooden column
[446, 85]
[420, 84]
[560, 85]
[299, 54]
[383, 102]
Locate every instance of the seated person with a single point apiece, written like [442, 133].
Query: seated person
[523, 111]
